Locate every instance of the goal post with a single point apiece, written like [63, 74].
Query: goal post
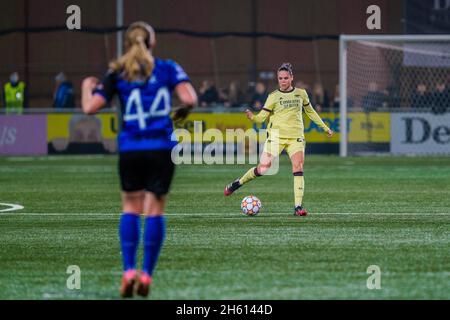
[394, 94]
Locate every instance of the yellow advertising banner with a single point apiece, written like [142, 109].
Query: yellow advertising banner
[102, 128]
[66, 130]
[362, 127]
[369, 127]
[372, 127]
[315, 134]
[63, 125]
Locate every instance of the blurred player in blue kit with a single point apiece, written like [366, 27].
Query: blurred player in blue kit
[144, 85]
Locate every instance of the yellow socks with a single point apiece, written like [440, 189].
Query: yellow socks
[249, 176]
[299, 187]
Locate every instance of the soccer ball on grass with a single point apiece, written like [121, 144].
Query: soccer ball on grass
[251, 205]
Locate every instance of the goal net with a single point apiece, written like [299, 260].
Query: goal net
[395, 95]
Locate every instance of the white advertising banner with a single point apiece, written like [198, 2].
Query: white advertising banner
[420, 133]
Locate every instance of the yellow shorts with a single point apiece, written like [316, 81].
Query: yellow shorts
[292, 146]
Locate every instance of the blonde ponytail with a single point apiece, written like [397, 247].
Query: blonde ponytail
[137, 63]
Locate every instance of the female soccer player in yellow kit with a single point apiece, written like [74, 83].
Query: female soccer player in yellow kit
[285, 131]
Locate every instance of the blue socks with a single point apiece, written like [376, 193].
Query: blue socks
[129, 230]
[154, 233]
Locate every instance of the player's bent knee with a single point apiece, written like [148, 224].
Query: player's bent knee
[263, 168]
[297, 169]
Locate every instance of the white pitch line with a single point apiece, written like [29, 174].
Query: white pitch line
[228, 215]
[13, 207]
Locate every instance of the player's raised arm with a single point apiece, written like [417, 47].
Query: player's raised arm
[312, 114]
[259, 118]
[91, 103]
[188, 97]
[263, 114]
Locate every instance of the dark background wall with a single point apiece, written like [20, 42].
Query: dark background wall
[40, 56]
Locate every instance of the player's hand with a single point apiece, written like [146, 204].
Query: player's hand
[181, 113]
[330, 133]
[249, 114]
[90, 83]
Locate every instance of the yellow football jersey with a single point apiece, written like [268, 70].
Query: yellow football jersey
[284, 110]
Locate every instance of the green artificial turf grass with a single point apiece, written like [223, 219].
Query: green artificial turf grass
[393, 212]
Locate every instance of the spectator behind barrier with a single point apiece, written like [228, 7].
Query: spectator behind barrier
[233, 96]
[320, 99]
[15, 96]
[63, 97]
[440, 99]
[208, 94]
[259, 96]
[421, 99]
[374, 99]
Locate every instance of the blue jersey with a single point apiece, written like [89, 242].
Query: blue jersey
[145, 106]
